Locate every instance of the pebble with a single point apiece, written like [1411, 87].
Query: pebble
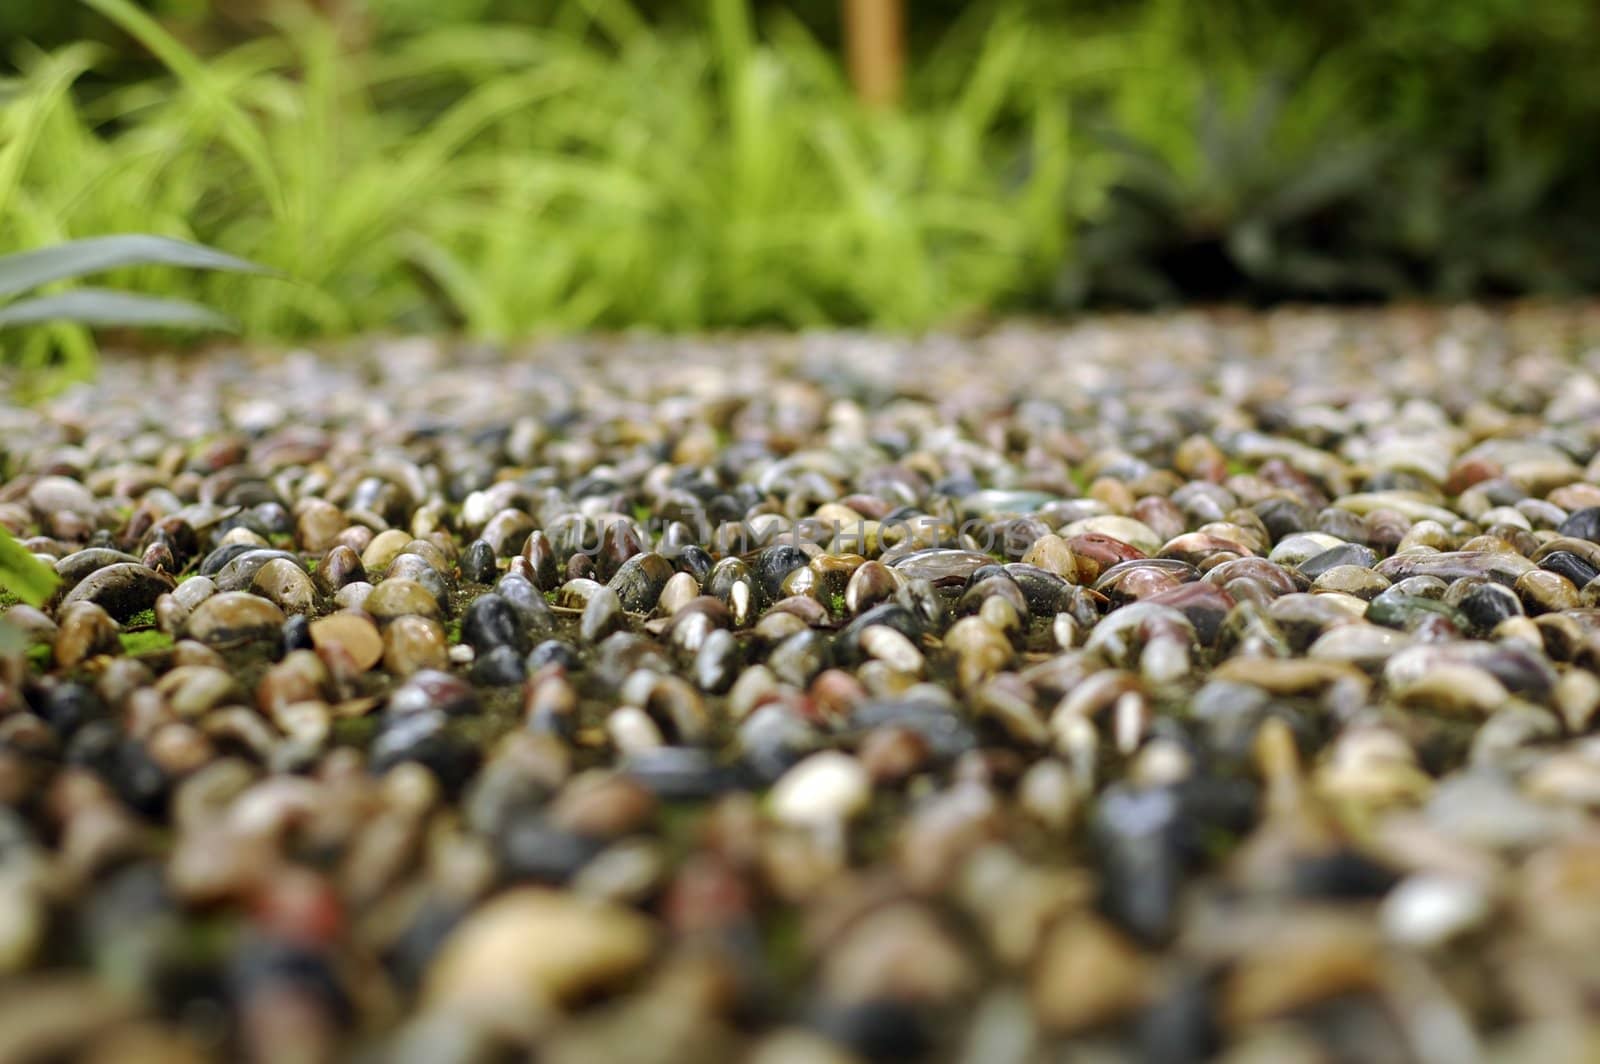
[530, 952]
[234, 618]
[122, 590]
[412, 643]
[1428, 910]
[286, 584]
[1088, 975]
[491, 622]
[821, 791]
[349, 635]
[83, 630]
[398, 597]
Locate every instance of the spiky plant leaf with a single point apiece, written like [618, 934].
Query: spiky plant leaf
[102, 307]
[30, 269]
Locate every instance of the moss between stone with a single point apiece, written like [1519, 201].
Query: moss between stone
[144, 641]
[354, 731]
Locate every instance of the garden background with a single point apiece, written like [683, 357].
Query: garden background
[505, 168]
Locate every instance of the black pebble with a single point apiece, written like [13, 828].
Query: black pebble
[66, 707]
[212, 563]
[422, 737]
[678, 772]
[478, 563]
[1342, 875]
[877, 1030]
[533, 851]
[776, 562]
[1569, 565]
[1137, 836]
[1343, 554]
[297, 634]
[554, 652]
[1283, 517]
[1486, 605]
[692, 559]
[492, 622]
[947, 732]
[499, 667]
[1583, 524]
[527, 600]
[1182, 1027]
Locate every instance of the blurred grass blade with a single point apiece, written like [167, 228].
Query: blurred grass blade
[105, 307]
[36, 98]
[30, 269]
[22, 574]
[237, 129]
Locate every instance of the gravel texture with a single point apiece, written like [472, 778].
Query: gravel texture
[1201, 687]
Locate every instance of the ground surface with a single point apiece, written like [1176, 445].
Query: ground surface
[1186, 688]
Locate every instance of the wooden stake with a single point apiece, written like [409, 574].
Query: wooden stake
[875, 37]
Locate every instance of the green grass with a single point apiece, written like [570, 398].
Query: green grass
[512, 180]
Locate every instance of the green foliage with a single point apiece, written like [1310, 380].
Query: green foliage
[506, 168]
[1374, 151]
[510, 179]
[23, 575]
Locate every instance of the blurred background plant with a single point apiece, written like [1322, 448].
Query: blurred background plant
[31, 294]
[507, 168]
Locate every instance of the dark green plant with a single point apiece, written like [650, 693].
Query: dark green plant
[1253, 215]
[508, 168]
[25, 276]
[1325, 151]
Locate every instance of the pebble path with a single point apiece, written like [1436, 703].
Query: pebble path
[1186, 688]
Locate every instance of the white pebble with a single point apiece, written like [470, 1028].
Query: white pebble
[892, 648]
[632, 731]
[1429, 909]
[824, 789]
